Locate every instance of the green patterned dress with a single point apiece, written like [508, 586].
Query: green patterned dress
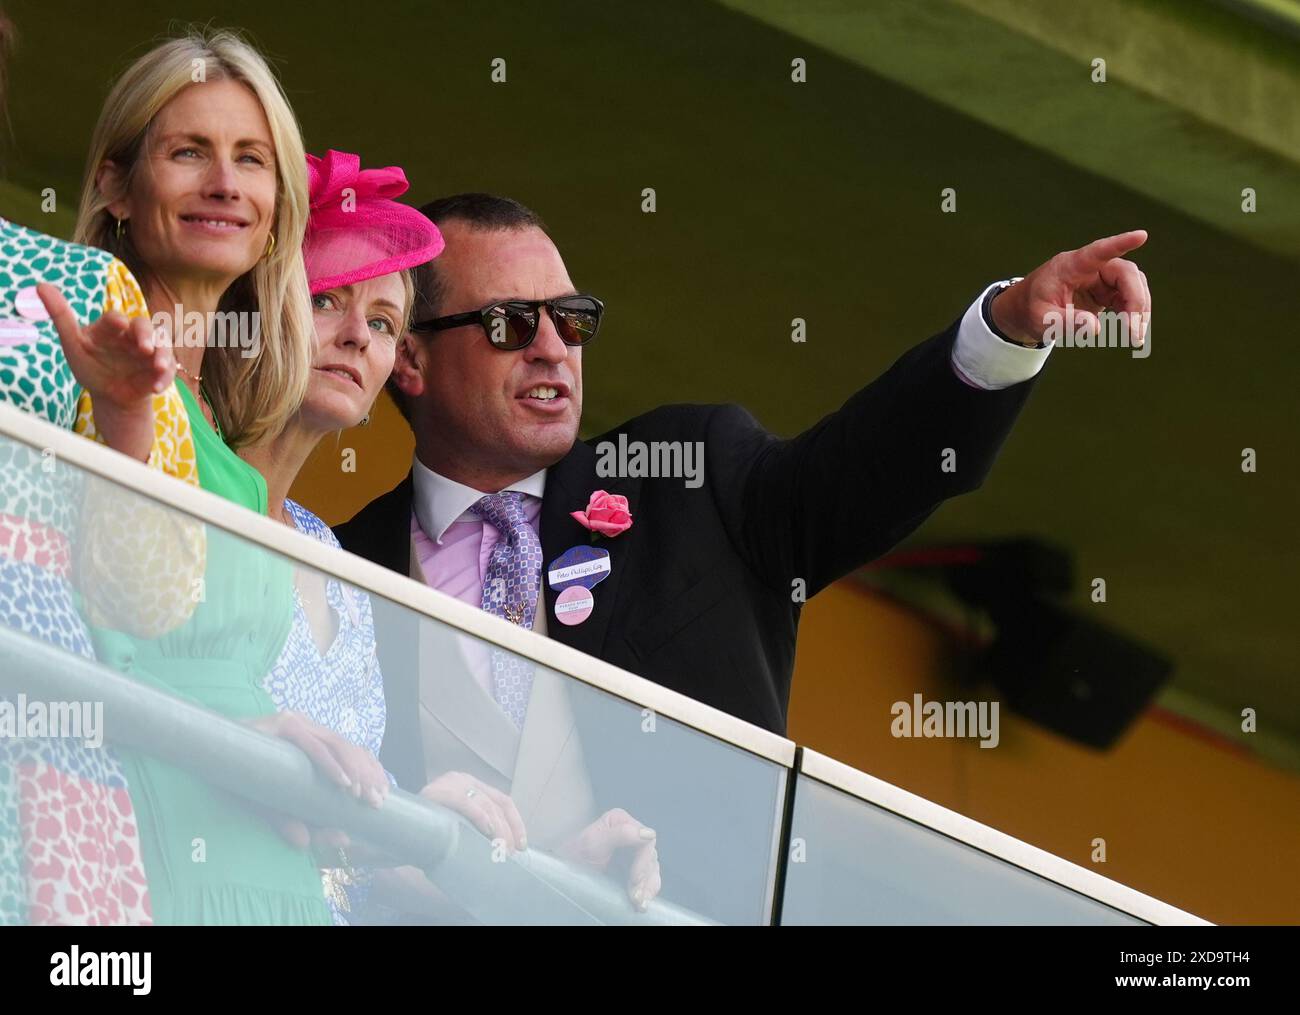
[69, 851]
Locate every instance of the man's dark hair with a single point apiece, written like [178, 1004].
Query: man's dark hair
[484, 212]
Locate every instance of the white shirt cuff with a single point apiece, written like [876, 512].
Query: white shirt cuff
[983, 360]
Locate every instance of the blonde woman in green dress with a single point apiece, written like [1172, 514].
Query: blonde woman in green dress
[200, 188]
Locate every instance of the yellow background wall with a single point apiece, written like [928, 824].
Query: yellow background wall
[1188, 819]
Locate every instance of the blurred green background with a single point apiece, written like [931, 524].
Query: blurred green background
[821, 200]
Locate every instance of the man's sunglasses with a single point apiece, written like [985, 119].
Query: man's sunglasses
[512, 324]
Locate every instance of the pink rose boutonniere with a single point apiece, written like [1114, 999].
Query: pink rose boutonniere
[606, 515]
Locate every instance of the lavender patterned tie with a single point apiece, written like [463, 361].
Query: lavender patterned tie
[510, 588]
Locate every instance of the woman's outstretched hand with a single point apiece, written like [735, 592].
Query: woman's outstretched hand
[121, 364]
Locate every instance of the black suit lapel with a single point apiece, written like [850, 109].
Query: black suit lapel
[569, 485]
[382, 531]
[394, 535]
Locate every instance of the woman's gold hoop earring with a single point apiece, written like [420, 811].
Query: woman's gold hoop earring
[121, 227]
[270, 244]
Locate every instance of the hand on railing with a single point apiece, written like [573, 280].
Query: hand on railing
[488, 809]
[353, 769]
[616, 830]
[495, 815]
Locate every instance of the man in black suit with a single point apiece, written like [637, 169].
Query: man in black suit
[705, 588]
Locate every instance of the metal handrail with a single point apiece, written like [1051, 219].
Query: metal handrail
[525, 887]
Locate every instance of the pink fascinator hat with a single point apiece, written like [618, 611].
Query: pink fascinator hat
[356, 229]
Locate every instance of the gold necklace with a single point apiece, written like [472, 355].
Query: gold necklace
[204, 401]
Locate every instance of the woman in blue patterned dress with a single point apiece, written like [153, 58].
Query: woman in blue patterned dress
[359, 247]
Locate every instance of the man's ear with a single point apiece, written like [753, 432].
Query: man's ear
[111, 182]
[408, 366]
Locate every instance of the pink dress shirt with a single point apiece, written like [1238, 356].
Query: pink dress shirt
[454, 546]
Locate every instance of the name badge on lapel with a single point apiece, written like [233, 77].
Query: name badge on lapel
[587, 566]
[573, 574]
[574, 605]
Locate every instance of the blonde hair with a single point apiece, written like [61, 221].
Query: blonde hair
[252, 397]
[408, 300]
